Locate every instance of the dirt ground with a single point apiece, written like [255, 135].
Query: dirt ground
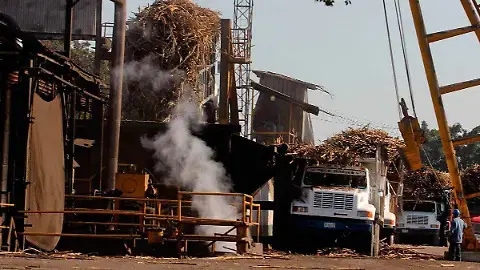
[21, 261]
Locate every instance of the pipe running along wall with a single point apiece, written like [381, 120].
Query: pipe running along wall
[10, 80]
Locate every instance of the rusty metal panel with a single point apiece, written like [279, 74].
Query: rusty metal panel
[307, 132]
[47, 17]
[274, 116]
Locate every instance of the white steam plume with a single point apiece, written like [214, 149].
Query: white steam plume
[190, 165]
[186, 159]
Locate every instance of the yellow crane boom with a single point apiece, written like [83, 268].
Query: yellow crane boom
[436, 91]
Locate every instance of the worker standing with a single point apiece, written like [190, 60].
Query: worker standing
[456, 236]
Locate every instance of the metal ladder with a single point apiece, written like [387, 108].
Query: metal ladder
[472, 11]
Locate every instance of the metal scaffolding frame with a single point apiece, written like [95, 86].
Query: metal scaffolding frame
[242, 44]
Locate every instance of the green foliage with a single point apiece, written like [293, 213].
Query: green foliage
[330, 3]
[467, 155]
[82, 55]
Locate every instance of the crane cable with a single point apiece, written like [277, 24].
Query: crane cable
[398, 12]
[407, 67]
[401, 31]
[392, 62]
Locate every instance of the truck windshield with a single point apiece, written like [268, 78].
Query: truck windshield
[335, 180]
[419, 206]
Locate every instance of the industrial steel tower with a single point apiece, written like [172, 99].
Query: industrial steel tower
[242, 44]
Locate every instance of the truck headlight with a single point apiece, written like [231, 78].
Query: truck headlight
[366, 214]
[434, 226]
[390, 222]
[301, 209]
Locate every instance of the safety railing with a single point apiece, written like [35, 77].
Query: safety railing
[150, 213]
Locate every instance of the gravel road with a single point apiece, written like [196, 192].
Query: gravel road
[286, 262]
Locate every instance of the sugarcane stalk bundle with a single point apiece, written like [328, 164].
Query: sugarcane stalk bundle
[348, 146]
[471, 179]
[178, 38]
[425, 183]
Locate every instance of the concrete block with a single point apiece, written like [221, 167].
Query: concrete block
[255, 249]
[469, 256]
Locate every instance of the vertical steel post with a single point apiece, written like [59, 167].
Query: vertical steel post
[116, 87]
[290, 126]
[224, 64]
[232, 88]
[98, 38]
[71, 143]
[7, 103]
[98, 69]
[68, 28]
[441, 118]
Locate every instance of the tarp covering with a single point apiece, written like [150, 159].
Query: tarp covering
[46, 172]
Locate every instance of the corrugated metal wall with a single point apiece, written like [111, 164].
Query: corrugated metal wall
[274, 115]
[42, 16]
[307, 126]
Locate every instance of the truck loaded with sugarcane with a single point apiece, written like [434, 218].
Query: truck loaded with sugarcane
[345, 196]
[353, 186]
[425, 207]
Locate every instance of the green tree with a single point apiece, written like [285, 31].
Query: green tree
[82, 55]
[433, 153]
[330, 3]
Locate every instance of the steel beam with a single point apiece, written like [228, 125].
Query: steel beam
[434, 37]
[472, 14]
[459, 86]
[441, 118]
[226, 26]
[466, 140]
[67, 40]
[116, 87]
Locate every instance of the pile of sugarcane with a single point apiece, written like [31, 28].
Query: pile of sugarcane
[471, 179]
[425, 183]
[176, 37]
[349, 146]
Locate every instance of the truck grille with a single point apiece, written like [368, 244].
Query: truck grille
[327, 200]
[420, 220]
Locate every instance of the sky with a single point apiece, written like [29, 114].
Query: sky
[345, 49]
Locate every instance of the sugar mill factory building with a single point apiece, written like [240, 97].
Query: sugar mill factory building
[274, 117]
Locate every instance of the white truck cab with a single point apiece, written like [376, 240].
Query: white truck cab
[335, 192]
[344, 201]
[419, 219]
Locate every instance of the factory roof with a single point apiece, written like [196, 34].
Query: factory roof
[312, 86]
[300, 104]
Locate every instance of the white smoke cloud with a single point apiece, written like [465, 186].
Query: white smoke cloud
[147, 74]
[187, 160]
[190, 165]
